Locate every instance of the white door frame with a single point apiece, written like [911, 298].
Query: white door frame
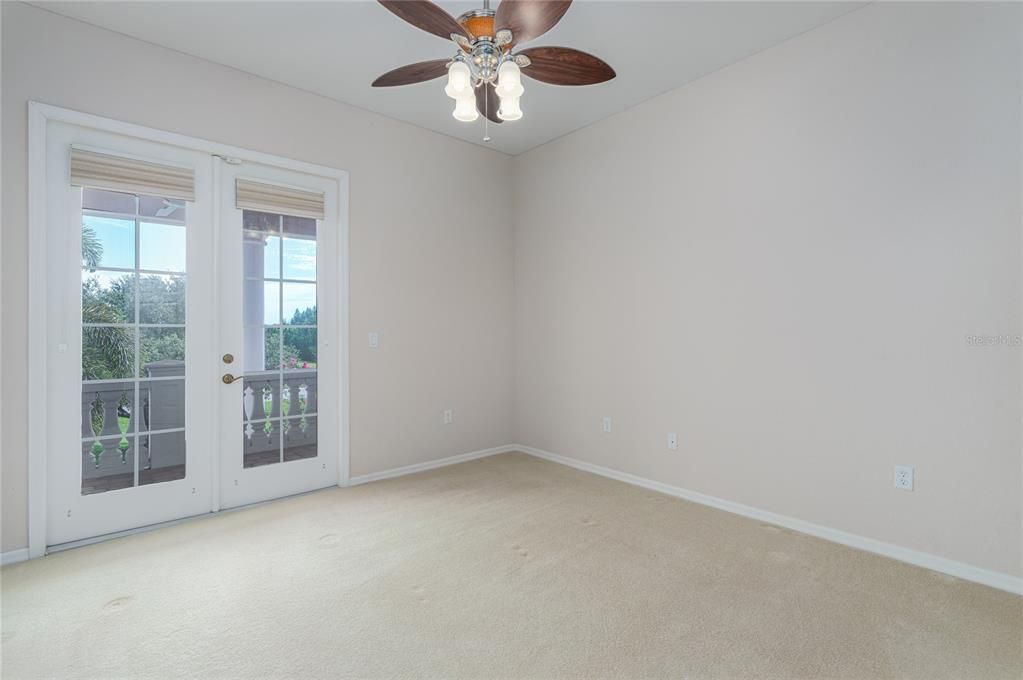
[38, 117]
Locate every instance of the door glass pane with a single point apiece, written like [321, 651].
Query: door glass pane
[280, 341]
[299, 242]
[108, 465]
[108, 242]
[161, 349]
[162, 457]
[299, 304]
[262, 443]
[299, 259]
[163, 208]
[268, 300]
[299, 438]
[133, 340]
[102, 200]
[108, 352]
[100, 406]
[261, 243]
[162, 247]
[299, 348]
[161, 402]
[108, 297]
[161, 299]
[271, 255]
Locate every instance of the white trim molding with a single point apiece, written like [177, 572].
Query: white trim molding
[14, 556]
[431, 465]
[37, 328]
[967, 572]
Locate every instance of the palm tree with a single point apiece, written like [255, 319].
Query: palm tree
[107, 351]
[92, 248]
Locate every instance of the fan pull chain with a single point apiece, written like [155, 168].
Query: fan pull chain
[486, 114]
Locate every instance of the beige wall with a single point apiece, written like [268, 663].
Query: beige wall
[781, 263]
[437, 288]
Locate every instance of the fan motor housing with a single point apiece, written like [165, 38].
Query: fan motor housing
[479, 23]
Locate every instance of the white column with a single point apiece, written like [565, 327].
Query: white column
[252, 300]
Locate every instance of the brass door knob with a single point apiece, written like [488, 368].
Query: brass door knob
[228, 378]
[228, 358]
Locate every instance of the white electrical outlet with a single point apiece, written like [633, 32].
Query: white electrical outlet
[673, 441]
[374, 340]
[449, 417]
[607, 424]
[904, 477]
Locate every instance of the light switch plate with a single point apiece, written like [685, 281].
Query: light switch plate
[374, 340]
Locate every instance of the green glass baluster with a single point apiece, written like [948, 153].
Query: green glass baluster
[123, 421]
[303, 400]
[97, 452]
[97, 418]
[285, 409]
[285, 401]
[268, 407]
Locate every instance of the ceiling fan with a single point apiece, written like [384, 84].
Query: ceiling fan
[484, 75]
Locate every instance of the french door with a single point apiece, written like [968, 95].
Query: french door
[192, 357]
[278, 354]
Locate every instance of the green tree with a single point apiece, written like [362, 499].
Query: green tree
[303, 339]
[161, 344]
[272, 349]
[162, 299]
[107, 351]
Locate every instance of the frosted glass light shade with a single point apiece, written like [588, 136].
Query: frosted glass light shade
[459, 81]
[465, 108]
[509, 109]
[509, 80]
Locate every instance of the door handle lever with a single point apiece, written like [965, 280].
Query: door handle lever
[228, 378]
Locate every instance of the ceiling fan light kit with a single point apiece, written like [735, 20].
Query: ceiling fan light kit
[465, 109]
[485, 76]
[509, 90]
[460, 89]
[482, 62]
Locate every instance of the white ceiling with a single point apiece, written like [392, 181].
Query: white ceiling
[336, 49]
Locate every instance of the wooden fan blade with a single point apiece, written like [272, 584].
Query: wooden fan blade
[487, 102]
[427, 16]
[565, 66]
[413, 73]
[528, 19]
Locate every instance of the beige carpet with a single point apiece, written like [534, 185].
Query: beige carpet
[507, 567]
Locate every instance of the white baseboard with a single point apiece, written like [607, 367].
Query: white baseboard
[12, 556]
[430, 465]
[968, 572]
